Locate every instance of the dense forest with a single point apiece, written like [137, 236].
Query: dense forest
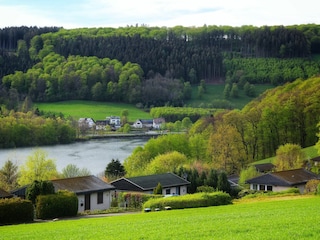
[134, 64]
[152, 66]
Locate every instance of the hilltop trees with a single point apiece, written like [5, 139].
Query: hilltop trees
[9, 176]
[289, 156]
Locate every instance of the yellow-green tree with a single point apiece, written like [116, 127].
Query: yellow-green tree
[37, 167]
[289, 156]
[167, 162]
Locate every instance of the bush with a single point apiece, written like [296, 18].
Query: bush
[311, 186]
[61, 204]
[190, 201]
[136, 200]
[15, 210]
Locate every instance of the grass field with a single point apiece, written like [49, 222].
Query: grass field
[90, 109]
[280, 218]
[100, 110]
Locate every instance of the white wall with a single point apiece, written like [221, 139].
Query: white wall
[107, 198]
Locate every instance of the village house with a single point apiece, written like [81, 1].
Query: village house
[92, 192]
[143, 123]
[283, 180]
[86, 122]
[171, 184]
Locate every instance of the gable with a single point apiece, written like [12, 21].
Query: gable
[81, 185]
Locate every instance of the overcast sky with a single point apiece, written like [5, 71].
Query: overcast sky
[169, 13]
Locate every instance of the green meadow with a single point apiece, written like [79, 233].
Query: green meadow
[295, 217]
[91, 109]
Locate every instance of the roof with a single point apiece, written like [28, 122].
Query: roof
[285, 178]
[145, 183]
[4, 194]
[81, 185]
[264, 167]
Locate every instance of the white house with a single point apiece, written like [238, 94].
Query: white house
[92, 192]
[114, 120]
[283, 180]
[157, 122]
[143, 123]
[86, 122]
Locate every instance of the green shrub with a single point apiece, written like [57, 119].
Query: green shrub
[61, 204]
[15, 210]
[318, 189]
[288, 192]
[135, 199]
[190, 201]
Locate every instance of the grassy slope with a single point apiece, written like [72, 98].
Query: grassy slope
[280, 218]
[310, 152]
[215, 92]
[95, 110]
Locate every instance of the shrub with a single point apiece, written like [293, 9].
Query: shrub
[190, 201]
[38, 188]
[207, 189]
[311, 186]
[136, 199]
[15, 210]
[61, 204]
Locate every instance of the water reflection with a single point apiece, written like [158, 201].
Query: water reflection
[93, 155]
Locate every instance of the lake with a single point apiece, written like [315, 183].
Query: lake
[93, 155]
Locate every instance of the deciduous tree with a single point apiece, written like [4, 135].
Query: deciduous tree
[37, 167]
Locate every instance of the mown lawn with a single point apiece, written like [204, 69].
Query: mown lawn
[91, 109]
[280, 218]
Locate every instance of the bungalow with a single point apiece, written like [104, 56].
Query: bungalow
[92, 192]
[171, 184]
[279, 181]
[5, 194]
[143, 123]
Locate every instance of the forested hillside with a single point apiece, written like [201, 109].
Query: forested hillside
[231, 139]
[135, 64]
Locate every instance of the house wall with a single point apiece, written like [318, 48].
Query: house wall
[276, 188]
[180, 190]
[107, 198]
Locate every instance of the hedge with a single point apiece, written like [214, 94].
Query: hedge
[189, 201]
[15, 210]
[135, 199]
[61, 204]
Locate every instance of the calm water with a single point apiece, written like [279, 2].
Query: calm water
[93, 155]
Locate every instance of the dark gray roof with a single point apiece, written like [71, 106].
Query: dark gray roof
[145, 183]
[264, 167]
[4, 194]
[285, 178]
[81, 185]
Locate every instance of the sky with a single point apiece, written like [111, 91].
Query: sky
[160, 13]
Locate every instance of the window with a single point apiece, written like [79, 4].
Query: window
[269, 188]
[254, 186]
[262, 187]
[100, 198]
[168, 191]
